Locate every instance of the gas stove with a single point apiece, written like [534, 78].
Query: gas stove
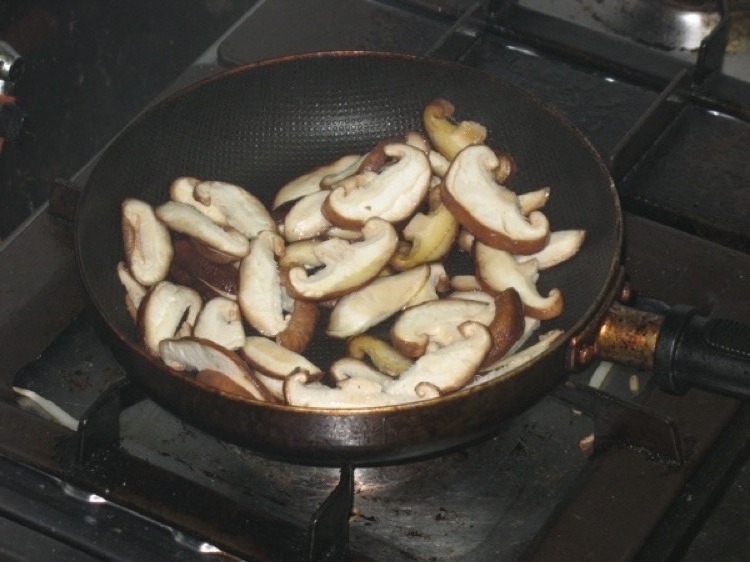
[93, 469]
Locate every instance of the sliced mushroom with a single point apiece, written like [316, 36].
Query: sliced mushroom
[436, 323]
[431, 238]
[497, 270]
[221, 322]
[562, 245]
[417, 140]
[189, 267]
[215, 366]
[351, 265]
[305, 219]
[349, 367]
[449, 137]
[260, 294]
[182, 191]
[300, 327]
[304, 254]
[465, 283]
[533, 200]
[512, 362]
[438, 163]
[301, 389]
[166, 311]
[147, 242]
[273, 360]
[507, 326]
[437, 282]
[134, 291]
[393, 194]
[242, 210]
[188, 220]
[448, 368]
[383, 356]
[375, 302]
[487, 209]
[311, 181]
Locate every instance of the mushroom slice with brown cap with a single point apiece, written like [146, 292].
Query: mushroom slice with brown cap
[507, 326]
[221, 322]
[260, 294]
[189, 267]
[182, 190]
[381, 354]
[448, 368]
[134, 291]
[165, 312]
[147, 242]
[436, 324]
[347, 265]
[562, 245]
[188, 220]
[392, 194]
[431, 238]
[487, 209]
[497, 270]
[310, 182]
[516, 360]
[273, 360]
[375, 302]
[448, 136]
[215, 366]
[242, 210]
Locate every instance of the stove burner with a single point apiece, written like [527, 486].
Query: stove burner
[670, 24]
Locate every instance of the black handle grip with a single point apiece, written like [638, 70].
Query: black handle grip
[710, 353]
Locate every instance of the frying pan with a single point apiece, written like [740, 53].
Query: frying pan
[260, 126]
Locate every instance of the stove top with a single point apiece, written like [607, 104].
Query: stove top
[176, 492]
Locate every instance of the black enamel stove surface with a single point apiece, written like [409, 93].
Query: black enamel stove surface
[141, 484]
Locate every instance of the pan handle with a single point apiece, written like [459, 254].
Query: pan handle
[692, 350]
